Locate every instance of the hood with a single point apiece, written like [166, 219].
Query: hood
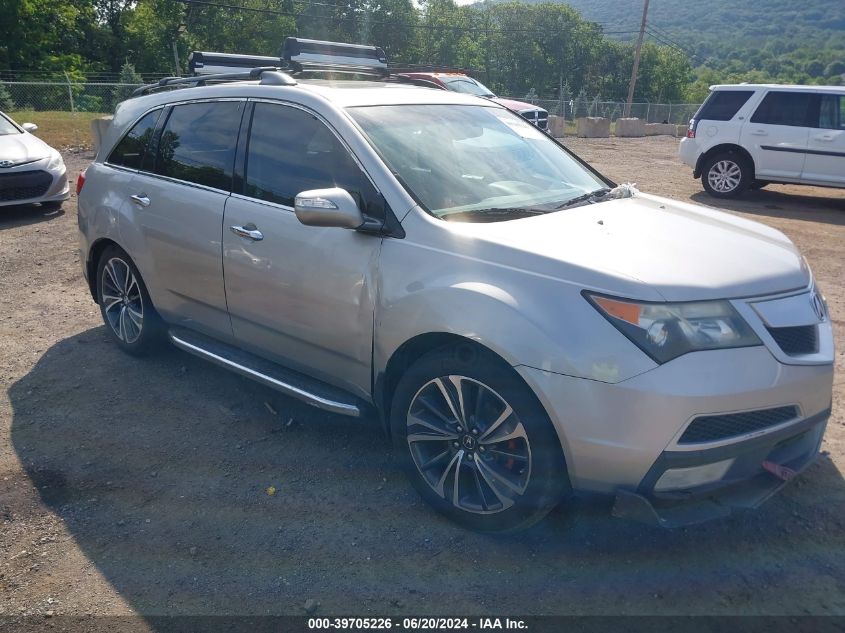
[516, 106]
[22, 148]
[683, 252]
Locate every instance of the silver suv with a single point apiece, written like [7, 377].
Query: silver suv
[523, 327]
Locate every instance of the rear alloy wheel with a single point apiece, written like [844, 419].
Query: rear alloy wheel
[478, 445]
[125, 304]
[726, 175]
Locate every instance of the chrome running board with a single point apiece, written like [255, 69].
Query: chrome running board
[270, 374]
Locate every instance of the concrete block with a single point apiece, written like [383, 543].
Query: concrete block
[630, 127]
[557, 126]
[681, 130]
[655, 129]
[99, 126]
[593, 127]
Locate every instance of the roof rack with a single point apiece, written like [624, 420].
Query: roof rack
[322, 56]
[274, 77]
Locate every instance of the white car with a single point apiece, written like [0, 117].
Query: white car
[747, 136]
[30, 170]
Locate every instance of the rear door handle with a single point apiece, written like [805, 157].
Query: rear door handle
[760, 133]
[823, 137]
[141, 200]
[249, 231]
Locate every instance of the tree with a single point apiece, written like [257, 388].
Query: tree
[128, 76]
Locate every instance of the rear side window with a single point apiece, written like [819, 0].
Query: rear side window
[832, 112]
[723, 104]
[130, 151]
[198, 143]
[784, 108]
[291, 151]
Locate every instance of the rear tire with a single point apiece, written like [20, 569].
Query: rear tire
[125, 304]
[726, 175]
[475, 441]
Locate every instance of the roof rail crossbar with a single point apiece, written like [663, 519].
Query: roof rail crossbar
[201, 80]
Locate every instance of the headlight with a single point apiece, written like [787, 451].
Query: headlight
[667, 330]
[56, 161]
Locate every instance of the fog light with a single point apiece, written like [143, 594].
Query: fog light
[683, 478]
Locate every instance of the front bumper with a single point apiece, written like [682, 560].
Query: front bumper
[57, 189]
[755, 470]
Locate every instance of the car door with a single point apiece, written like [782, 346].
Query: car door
[300, 295]
[825, 161]
[777, 135]
[179, 203]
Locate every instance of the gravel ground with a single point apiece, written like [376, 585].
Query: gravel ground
[140, 486]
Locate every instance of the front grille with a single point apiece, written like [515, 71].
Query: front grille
[710, 428]
[797, 340]
[540, 118]
[24, 185]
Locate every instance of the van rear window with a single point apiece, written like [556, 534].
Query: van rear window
[722, 105]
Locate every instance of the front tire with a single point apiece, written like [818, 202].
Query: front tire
[726, 175]
[475, 441]
[125, 304]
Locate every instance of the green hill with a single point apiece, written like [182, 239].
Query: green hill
[753, 40]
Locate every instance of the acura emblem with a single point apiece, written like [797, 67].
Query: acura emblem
[818, 305]
[6, 163]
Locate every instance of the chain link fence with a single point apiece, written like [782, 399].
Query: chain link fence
[677, 113]
[63, 110]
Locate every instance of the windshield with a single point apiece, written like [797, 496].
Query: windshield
[469, 86]
[459, 159]
[7, 127]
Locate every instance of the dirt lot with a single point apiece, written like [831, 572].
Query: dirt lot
[139, 486]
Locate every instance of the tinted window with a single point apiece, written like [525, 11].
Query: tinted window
[130, 151]
[292, 151]
[198, 143]
[723, 105]
[784, 108]
[832, 112]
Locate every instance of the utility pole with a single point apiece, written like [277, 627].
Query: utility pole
[632, 84]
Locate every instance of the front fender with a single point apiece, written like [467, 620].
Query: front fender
[526, 319]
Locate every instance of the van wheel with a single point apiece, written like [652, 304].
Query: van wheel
[475, 441]
[125, 303]
[726, 175]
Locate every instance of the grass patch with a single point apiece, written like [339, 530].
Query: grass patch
[60, 129]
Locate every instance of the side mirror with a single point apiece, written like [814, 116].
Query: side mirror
[328, 207]
[29, 127]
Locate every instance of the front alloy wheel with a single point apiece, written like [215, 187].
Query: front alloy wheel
[475, 440]
[468, 444]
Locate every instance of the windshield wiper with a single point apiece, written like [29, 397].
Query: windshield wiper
[492, 214]
[585, 198]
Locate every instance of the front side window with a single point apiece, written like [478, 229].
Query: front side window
[462, 161]
[291, 151]
[832, 112]
[130, 151]
[198, 143]
[784, 108]
[723, 105]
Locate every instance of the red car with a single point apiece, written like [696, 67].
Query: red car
[458, 82]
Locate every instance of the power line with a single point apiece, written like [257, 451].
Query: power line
[656, 31]
[677, 47]
[430, 27]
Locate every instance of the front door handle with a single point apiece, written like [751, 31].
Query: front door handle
[760, 133]
[248, 231]
[141, 200]
[823, 137]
